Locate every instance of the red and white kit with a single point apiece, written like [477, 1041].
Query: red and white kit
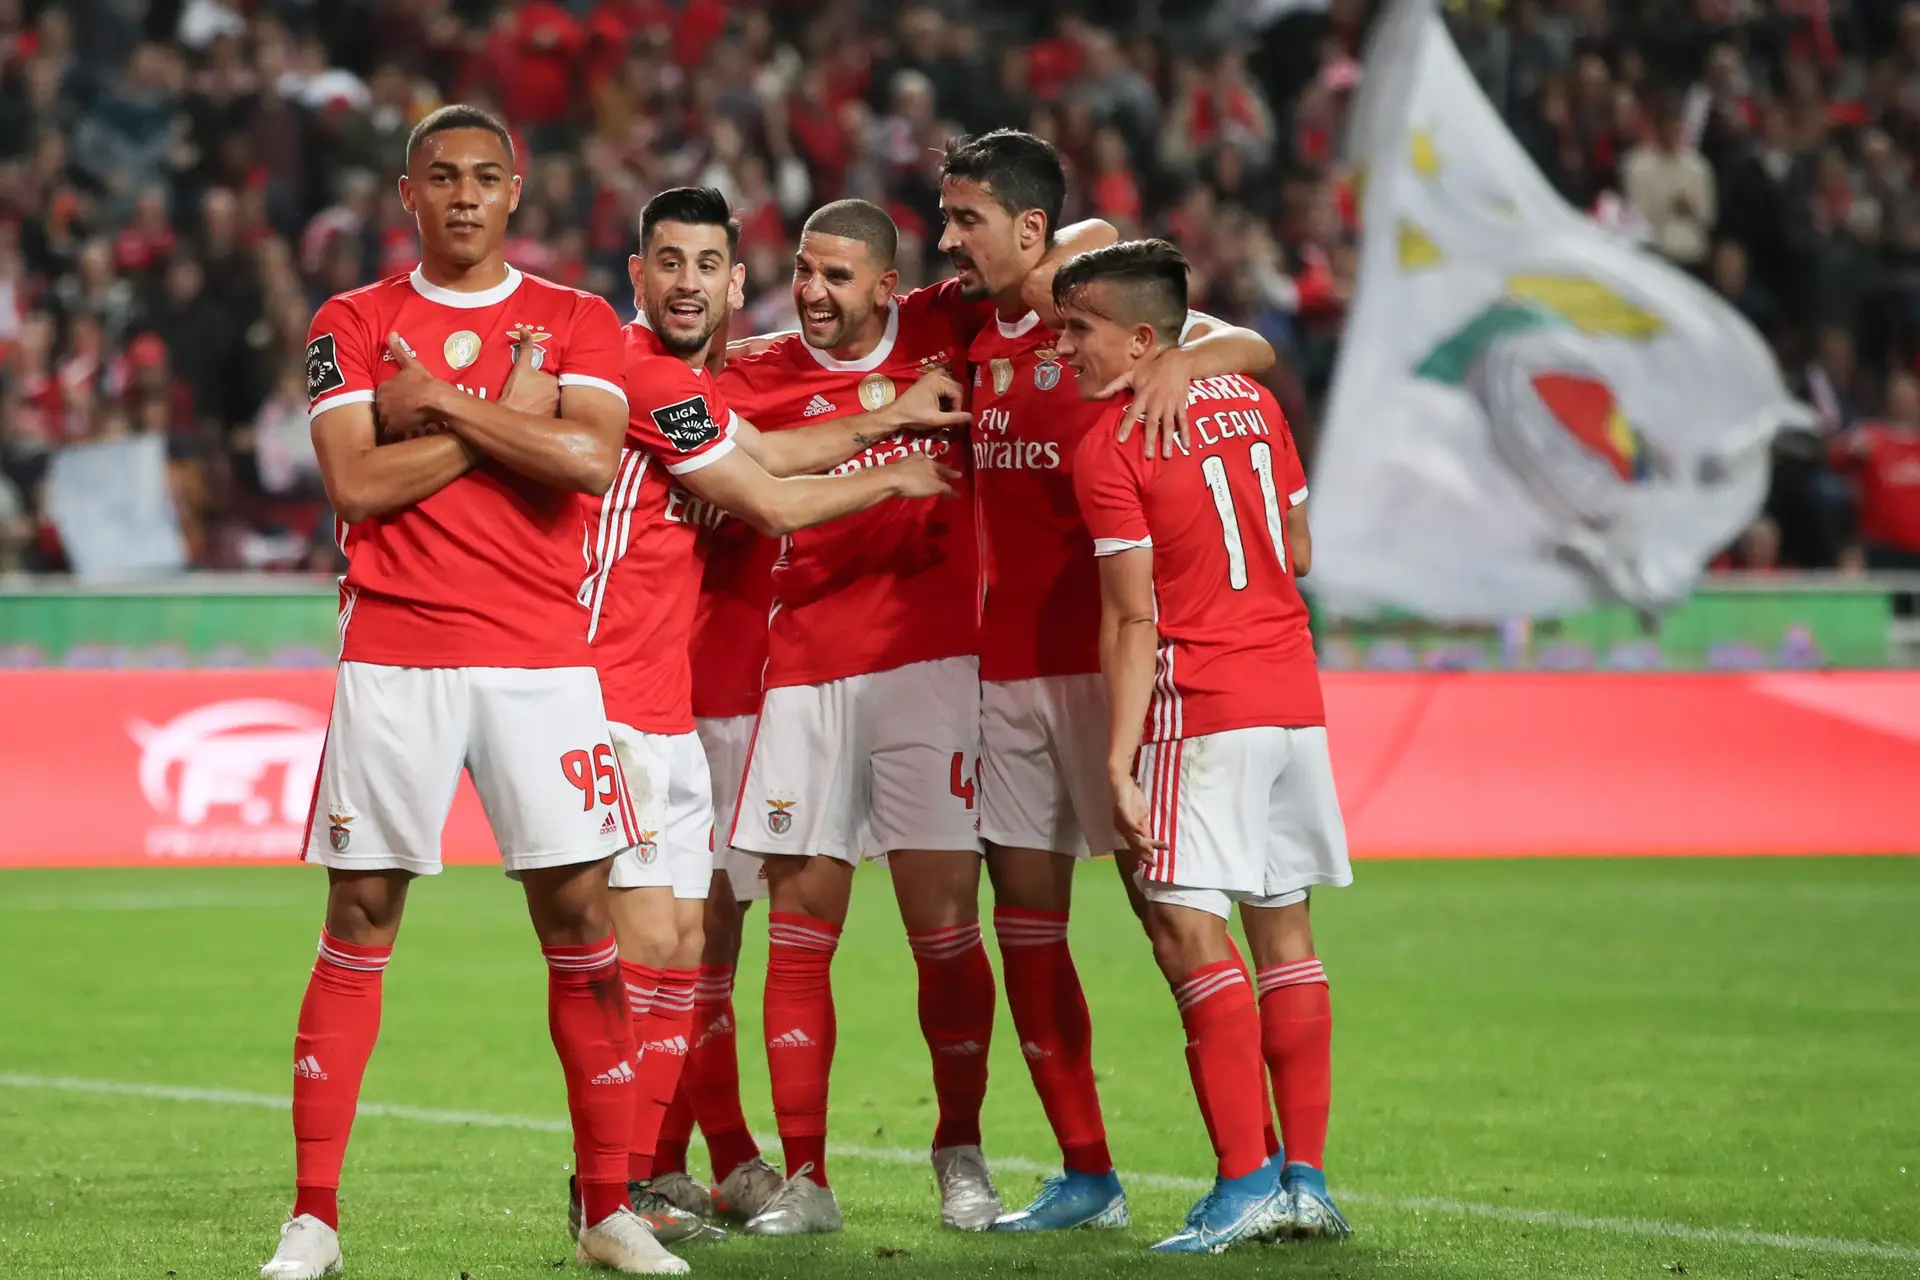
[729, 654]
[869, 726]
[639, 594]
[1238, 779]
[461, 639]
[1043, 708]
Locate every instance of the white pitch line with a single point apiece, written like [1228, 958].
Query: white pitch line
[1644, 1227]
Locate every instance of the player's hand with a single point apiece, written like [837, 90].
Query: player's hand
[409, 402]
[1159, 385]
[1130, 816]
[934, 403]
[530, 390]
[919, 476]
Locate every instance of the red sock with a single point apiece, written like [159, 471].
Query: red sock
[1223, 1036]
[663, 1041]
[587, 1015]
[1296, 1034]
[676, 1131]
[956, 1017]
[339, 1021]
[713, 1074]
[642, 981]
[1056, 1035]
[800, 1032]
[1271, 1136]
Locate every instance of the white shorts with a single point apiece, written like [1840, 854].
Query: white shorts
[673, 809]
[865, 765]
[534, 740]
[1043, 765]
[727, 741]
[1249, 815]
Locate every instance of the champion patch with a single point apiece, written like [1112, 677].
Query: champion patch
[687, 424]
[323, 368]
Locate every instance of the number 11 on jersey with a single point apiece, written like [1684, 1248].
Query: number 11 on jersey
[1214, 468]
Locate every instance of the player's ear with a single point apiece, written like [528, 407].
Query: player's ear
[883, 287]
[1033, 229]
[636, 269]
[1141, 340]
[513, 196]
[406, 194]
[737, 287]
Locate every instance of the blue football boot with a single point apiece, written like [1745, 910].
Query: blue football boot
[1069, 1199]
[1314, 1217]
[1237, 1209]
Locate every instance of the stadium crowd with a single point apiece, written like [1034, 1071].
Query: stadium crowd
[183, 182]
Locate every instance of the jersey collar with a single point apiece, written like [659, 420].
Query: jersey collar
[466, 301]
[874, 358]
[1019, 328]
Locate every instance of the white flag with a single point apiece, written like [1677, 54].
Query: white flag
[1529, 416]
[114, 511]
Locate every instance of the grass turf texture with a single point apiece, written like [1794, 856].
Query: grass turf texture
[1576, 1055]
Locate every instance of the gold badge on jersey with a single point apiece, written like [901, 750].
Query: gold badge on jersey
[1046, 374]
[1002, 375]
[876, 391]
[461, 349]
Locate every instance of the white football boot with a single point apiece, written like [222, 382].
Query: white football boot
[968, 1201]
[309, 1249]
[621, 1242]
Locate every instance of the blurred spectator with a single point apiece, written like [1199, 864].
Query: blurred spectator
[1884, 453]
[1669, 184]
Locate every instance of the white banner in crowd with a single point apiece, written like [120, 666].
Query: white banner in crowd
[114, 511]
[1529, 416]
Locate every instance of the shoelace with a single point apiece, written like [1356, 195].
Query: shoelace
[789, 1190]
[965, 1166]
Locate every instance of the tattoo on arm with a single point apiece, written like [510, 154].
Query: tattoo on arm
[863, 441]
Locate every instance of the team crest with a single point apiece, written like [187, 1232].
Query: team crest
[876, 391]
[339, 830]
[1046, 374]
[1002, 375]
[646, 848]
[461, 349]
[536, 336]
[780, 814]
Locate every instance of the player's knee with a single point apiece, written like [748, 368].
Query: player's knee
[1030, 879]
[364, 908]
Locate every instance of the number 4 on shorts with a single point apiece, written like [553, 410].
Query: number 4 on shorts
[962, 785]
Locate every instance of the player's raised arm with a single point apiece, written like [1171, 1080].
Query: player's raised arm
[1208, 348]
[1075, 238]
[365, 479]
[934, 403]
[578, 450]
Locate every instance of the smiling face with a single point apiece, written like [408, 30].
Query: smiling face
[1096, 346]
[684, 280]
[839, 291]
[460, 188]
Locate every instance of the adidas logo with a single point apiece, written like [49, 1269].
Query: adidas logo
[965, 1049]
[308, 1068]
[677, 1046]
[1031, 1051]
[622, 1073]
[817, 406]
[794, 1039]
[720, 1026]
[608, 826]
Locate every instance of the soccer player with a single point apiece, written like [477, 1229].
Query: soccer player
[869, 724]
[688, 461]
[1209, 663]
[1043, 793]
[461, 500]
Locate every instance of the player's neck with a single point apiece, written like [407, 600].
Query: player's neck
[483, 275]
[1010, 304]
[865, 341]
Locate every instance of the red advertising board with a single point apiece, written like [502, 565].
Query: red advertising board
[154, 767]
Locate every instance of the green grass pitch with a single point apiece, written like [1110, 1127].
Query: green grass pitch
[1547, 1068]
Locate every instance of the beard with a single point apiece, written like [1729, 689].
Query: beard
[684, 342]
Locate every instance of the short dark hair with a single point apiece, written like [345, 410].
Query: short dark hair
[1148, 279]
[459, 115]
[860, 220]
[1019, 171]
[695, 206]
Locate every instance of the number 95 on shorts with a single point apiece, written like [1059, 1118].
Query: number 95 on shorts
[535, 742]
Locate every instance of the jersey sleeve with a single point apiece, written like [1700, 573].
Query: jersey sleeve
[342, 356]
[677, 416]
[1108, 485]
[595, 352]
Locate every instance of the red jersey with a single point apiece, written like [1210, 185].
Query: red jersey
[1235, 650]
[730, 624]
[898, 583]
[641, 587]
[484, 572]
[1890, 486]
[1042, 614]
